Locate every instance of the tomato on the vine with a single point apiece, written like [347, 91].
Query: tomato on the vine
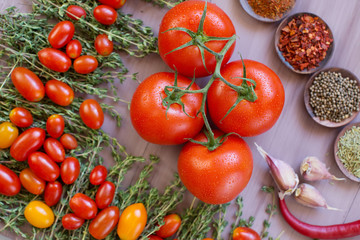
[61, 34]
[103, 224]
[91, 113]
[68, 141]
[71, 221]
[43, 166]
[132, 221]
[113, 3]
[105, 15]
[54, 59]
[77, 11]
[10, 184]
[52, 194]
[70, 170]
[39, 214]
[54, 149]
[105, 194]
[28, 84]
[172, 223]
[85, 64]
[55, 125]
[103, 45]
[8, 134]
[98, 175]
[59, 92]
[31, 182]
[245, 233]
[21, 117]
[83, 206]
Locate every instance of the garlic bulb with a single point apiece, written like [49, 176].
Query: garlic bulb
[312, 169]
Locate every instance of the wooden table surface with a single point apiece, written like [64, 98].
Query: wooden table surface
[294, 136]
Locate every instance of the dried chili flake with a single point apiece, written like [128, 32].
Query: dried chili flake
[272, 9]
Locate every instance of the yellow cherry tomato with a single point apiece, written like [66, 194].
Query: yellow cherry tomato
[132, 222]
[8, 134]
[39, 214]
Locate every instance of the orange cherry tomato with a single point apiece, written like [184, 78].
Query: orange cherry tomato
[104, 222]
[85, 64]
[132, 222]
[105, 194]
[59, 92]
[31, 182]
[172, 223]
[9, 182]
[28, 84]
[75, 10]
[92, 114]
[39, 214]
[52, 194]
[113, 3]
[71, 222]
[21, 117]
[103, 45]
[54, 149]
[98, 175]
[70, 170]
[208, 239]
[74, 49]
[68, 141]
[54, 59]
[43, 166]
[83, 206]
[105, 15]
[8, 134]
[61, 34]
[55, 125]
[245, 233]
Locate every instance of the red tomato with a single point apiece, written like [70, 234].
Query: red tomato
[75, 10]
[68, 141]
[85, 64]
[105, 194]
[9, 182]
[244, 233]
[187, 15]
[173, 127]
[8, 134]
[28, 142]
[105, 15]
[59, 92]
[217, 176]
[55, 125]
[113, 3]
[154, 237]
[71, 222]
[54, 59]
[43, 166]
[92, 114]
[103, 224]
[54, 149]
[61, 34]
[98, 175]
[70, 170]
[83, 206]
[52, 194]
[74, 49]
[103, 45]
[31, 182]
[172, 223]
[247, 118]
[28, 84]
[21, 117]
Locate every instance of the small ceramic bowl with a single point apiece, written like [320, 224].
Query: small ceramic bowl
[287, 64]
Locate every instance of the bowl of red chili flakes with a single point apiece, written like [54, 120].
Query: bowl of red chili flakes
[304, 42]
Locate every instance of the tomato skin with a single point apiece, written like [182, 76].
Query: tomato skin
[54, 149]
[28, 142]
[83, 206]
[154, 237]
[53, 192]
[105, 15]
[105, 194]
[132, 222]
[71, 222]
[68, 141]
[103, 224]
[9, 182]
[92, 114]
[77, 11]
[70, 170]
[55, 125]
[218, 176]
[54, 59]
[244, 233]
[113, 3]
[43, 166]
[61, 34]
[170, 227]
[85, 64]
[39, 214]
[31, 182]
[28, 84]
[74, 49]
[8, 134]
[21, 117]
[247, 118]
[98, 175]
[175, 126]
[103, 45]
[59, 92]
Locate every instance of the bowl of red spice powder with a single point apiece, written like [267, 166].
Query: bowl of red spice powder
[304, 42]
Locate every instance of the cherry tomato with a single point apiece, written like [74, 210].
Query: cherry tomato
[83, 206]
[91, 113]
[21, 117]
[8, 134]
[172, 223]
[68, 141]
[54, 149]
[29, 141]
[61, 34]
[39, 214]
[188, 61]
[103, 224]
[154, 237]
[103, 45]
[173, 126]
[113, 3]
[132, 222]
[9, 182]
[70, 170]
[31, 182]
[105, 194]
[244, 233]
[55, 125]
[54, 59]
[98, 175]
[28, 84]
[53, 192]
[208, 239]
[43, 166]
[77, 11]
[85, 64]
[59, 92]
[217, 176]
[105, 15]
[247, 118]
[71, 222]
[74, 49]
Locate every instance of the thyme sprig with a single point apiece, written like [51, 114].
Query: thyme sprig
[271, 210]
[165, 3]
[239, 221]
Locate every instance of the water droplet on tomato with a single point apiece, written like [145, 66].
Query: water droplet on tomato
[191, 21]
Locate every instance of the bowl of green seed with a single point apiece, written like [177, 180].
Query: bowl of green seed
[332, 97]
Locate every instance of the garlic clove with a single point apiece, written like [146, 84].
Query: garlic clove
[312, 169]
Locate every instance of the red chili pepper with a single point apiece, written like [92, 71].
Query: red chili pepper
[338, 231]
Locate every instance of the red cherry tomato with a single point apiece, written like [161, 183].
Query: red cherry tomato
[28, 142]
[9, 182]
[52, 194]
[98, 175]
[43, 166]
[68, 141]
[31, 182]
[21, 117]
[8, 134]
[172, 223]
[71, 222]
[104, 223]
[74, 49]
[28, 84]
[54, 149]
[54, 59]
[85, 64]
[244, 233]
[61, 34]
[105, 15]
[59, 92]
[77, 11]
[105, 194]
[154, 237]
[92, 114]
[103, 45]
[55, 125]
[70, 170]
[83, 206]
[113, 3]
